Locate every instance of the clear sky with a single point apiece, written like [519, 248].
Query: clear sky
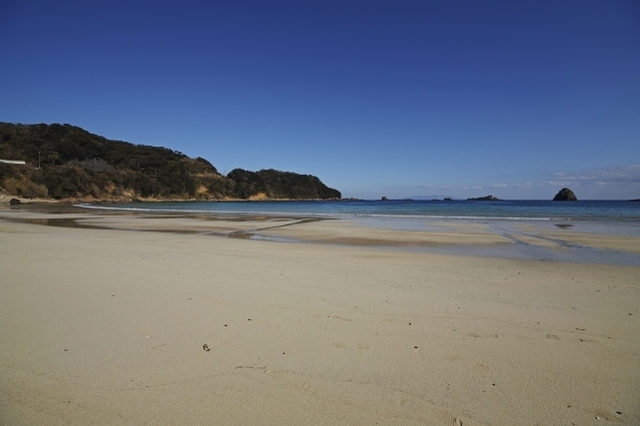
[397, 98]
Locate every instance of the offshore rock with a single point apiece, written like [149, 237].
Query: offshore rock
[485, 198]
[565, 194]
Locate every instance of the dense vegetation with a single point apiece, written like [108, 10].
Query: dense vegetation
[64, 161]
[275, 184]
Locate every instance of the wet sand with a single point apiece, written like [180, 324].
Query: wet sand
[349, 324]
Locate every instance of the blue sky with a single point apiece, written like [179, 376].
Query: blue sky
[397, 98]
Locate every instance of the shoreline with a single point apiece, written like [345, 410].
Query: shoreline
[107, 326]
[616, 243]
[122, 200]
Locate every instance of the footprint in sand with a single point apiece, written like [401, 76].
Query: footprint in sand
[339, 318]
[250, 367]
[452, 357]
[552, 336]
[472, 334]
[339, 345]
[457, 422]
[363, 346]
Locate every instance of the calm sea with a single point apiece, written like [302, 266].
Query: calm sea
[615, 218]
[511, 210]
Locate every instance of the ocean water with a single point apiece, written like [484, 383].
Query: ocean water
[509, 210]
[615, 218]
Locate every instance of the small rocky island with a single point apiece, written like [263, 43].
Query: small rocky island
[565, 194]
[485, 198]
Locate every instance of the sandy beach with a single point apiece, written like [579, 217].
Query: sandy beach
[105, 319]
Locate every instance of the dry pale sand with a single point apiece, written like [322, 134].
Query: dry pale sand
[107, 326]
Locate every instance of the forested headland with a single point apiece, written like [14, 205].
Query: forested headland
[67, 162]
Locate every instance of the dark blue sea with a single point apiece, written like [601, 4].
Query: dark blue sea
[511, 210]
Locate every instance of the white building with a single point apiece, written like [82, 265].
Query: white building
[19, 163]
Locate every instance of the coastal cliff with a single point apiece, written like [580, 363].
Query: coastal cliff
[67, 162]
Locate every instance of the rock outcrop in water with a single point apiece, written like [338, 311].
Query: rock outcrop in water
[565, 194]
[485, 198]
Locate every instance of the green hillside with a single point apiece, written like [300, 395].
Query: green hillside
[67, 162]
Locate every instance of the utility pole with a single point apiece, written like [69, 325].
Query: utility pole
[38, 160]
